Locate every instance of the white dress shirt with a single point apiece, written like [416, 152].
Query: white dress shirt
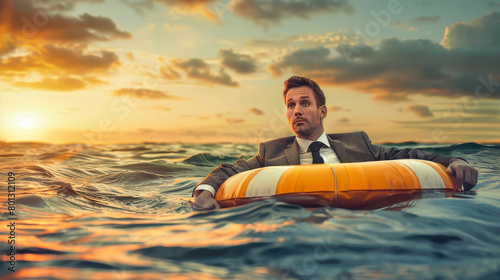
[326, 152]
[305, 157]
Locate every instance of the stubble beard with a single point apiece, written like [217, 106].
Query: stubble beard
[302, 131]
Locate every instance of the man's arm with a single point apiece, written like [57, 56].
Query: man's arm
[205, 191]
[389, 153]
[457, 167]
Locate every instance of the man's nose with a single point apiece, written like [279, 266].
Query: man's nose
[297, 111]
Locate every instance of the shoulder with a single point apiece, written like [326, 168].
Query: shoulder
[349, 136]
[284, 141]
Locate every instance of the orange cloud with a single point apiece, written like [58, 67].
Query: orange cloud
[336, 108]
[57, 84]
[202, 7]
[33, 21]
[234, 121]
[144, 93]
[50, 61]
[160, 107]
[54, 45]
[169, 73]
[256, 111]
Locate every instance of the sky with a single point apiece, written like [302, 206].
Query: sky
[205, 71]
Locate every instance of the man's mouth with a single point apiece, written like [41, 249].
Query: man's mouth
[297, 121]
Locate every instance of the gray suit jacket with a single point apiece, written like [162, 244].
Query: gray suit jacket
[349, 147]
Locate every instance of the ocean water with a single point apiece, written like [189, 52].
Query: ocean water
[124, 212]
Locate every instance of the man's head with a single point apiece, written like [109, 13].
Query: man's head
[306, 109]
[296, 81]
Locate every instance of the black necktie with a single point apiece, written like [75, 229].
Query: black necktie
[314, 148]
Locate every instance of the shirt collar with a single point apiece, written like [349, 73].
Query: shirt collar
[304, 143]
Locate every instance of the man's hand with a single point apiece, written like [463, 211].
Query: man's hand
[205, 201]
[465, 174]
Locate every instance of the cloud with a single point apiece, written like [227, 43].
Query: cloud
[202, 7]
[169, 73]
[57, 84]
[130, 56]
[40, 39]
[52, 60]
[486, 107]
[140, 6]
[427, 18]
[229, 120]
[265, 12]
[161, 108]
[240, 63]
[482, 32]
[336, 108]
[453, 121]
[234, 121]
[487, 111]
[198, 69]
[401, 25]
[193, 6]
[492, 4]
[78, 62]
[420, 110]
[6, 46]
[32, 23]
[256, 111]
[397, 68]
[270, 48]
[265, 50]
[143, 93]
[262, 12]
[343, 120]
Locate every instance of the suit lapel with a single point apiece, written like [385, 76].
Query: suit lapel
[339, 149]
[292, 153]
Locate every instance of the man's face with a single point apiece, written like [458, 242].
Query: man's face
[303, 114]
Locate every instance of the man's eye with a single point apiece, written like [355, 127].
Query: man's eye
[305, 103]
[290, 105]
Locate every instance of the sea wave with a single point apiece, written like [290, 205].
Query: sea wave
[208, 159]
[124, 212]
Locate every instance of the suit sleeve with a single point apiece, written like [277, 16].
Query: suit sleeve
[220, 174]
[390, 153]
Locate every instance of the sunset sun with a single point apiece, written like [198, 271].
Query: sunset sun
[26, 121]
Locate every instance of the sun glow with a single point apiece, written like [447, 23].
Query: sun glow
[22, 126]
[26, 121]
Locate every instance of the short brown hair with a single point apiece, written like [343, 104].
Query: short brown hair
[296, 81]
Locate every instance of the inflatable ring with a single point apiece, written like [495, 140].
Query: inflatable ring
[342, 185]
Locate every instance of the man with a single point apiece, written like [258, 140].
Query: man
[306, 109]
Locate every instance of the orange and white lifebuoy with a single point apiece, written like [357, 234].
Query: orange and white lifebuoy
[342, 185]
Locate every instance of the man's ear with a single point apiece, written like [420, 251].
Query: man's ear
[323, 111]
